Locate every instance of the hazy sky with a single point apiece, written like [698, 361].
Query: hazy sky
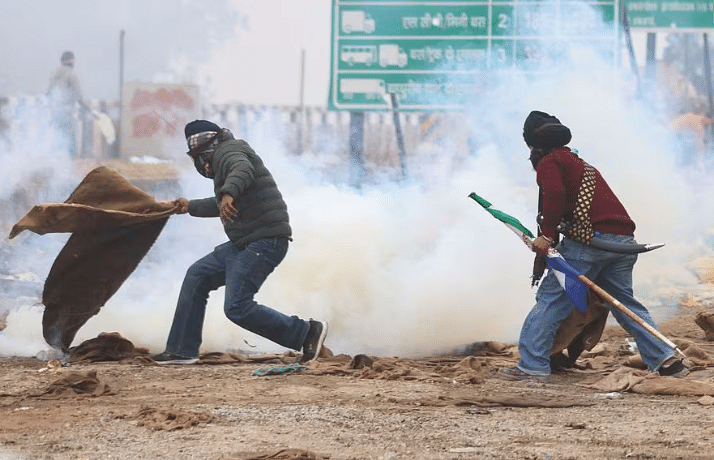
[245, 51]
[238, 50]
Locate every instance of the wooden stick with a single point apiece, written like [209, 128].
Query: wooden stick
[617, 304]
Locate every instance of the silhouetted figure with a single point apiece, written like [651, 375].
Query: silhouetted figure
[65, 95]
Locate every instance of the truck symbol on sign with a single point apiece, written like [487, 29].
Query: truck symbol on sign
[392, 55]
[372, 88]
[357, 21]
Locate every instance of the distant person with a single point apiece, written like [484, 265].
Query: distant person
[572, 191]
[65, 96]
[255, 219]
[693, 130]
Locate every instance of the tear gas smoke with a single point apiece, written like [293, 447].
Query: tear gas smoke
[412, 267]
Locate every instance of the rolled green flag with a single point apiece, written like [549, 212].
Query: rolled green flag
[520, 230]
[511, 222]
[565, 273]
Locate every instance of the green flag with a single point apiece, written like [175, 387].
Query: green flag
[511, 222]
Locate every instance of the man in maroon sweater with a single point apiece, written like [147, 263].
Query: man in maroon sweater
[575, 194]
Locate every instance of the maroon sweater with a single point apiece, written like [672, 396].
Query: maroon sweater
[559, 175]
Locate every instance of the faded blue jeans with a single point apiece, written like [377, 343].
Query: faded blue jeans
[242, 271]
[610, 271]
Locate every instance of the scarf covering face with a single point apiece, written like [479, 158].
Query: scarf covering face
[197, 140]
[201, 148]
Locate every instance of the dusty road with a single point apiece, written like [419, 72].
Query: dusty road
[449, 407]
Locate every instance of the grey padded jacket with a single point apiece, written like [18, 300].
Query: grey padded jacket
[240, 172]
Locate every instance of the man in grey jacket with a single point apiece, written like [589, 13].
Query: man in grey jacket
[255, 219]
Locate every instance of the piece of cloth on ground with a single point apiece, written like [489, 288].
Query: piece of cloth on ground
[237, 357]
[457, 369]
[696, 357]
[277, 370]
[169, 420]
[78, 383]
[644, 382]
[705, 320]
[113, 225]
[487, 348]
[109, 346]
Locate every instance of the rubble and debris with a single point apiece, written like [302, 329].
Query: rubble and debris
[705, 320]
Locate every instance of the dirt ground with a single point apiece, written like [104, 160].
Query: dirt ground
[448, 407]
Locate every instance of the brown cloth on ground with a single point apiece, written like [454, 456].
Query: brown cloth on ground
[113, 226]
[75, 382]
[109, 346]
[644, 382]
[705, 320]
[169, 420]
[467, 370]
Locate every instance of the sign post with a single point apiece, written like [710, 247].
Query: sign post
[671, 15]
[675, 16]
[438, 54]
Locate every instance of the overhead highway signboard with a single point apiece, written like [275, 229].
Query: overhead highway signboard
[437, 54]
[670, 15]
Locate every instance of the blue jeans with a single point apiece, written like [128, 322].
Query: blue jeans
[242, 271]
[613, 273]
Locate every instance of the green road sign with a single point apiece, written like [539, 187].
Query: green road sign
[671, 15]
[436, 54]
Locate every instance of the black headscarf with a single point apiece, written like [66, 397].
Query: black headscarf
[544, 132]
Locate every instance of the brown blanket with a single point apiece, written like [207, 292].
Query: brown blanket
[580, 332]
[113, 226]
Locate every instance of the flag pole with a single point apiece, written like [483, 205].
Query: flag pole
[617, 304]
[604, 295]
[527, 237]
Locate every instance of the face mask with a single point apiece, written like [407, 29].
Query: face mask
[202, 152]
[202, 163]
[536, 156]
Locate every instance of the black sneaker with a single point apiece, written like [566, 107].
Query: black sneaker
[172, 358]
[313, 341]
[675, 369]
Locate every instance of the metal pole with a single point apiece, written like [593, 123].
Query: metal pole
[121, 90]
[708, 74]
[400, 136]
[302, 104]
[630, 48]
[357, 148]
[650, 66]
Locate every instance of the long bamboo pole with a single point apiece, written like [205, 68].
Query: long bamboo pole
[617, 304]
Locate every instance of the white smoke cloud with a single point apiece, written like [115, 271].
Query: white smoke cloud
[415, 266]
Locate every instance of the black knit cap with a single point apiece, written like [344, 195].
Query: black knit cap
[544, 131]
[200, 126]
